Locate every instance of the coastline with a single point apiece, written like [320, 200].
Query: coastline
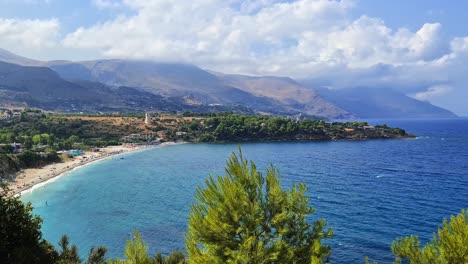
[30, 179]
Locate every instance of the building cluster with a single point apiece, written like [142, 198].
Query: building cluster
[296, 118]
[72, 152]
[8, 114]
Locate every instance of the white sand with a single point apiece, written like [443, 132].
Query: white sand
[30, 179]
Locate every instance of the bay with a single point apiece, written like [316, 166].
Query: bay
[370, 192]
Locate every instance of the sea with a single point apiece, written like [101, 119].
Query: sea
[370, 192]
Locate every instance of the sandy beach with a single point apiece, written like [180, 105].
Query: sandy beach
[28, 178]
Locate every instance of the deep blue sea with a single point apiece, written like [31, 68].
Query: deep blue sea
[370, 192]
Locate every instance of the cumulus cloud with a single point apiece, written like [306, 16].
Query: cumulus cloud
[231, 34]
[296, 38]
[27, 33]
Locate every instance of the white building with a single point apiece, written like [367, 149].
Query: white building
[148, 118]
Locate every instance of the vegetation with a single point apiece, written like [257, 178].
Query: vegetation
[222, 127]
[33, 139]
[8, 164]
[37, 130]
[20, 236]
[136, 252]
[246, 217]
[449, 245]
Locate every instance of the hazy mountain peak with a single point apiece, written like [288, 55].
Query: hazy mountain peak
[368, 102]
[7, 56]
[268, 94]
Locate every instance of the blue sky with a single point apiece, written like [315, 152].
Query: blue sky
[413, 13]
[419, 47]
[72, 13]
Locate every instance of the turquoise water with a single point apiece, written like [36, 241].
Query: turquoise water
[370, 191]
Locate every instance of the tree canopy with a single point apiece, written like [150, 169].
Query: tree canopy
[20, 235]
[21, 239]
[247, 217]
[136, 252]
[449, 244]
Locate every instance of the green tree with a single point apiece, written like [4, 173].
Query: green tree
[176, 257]
[245, 217]
[68, 255]
[20, 233]
[29, 159]
[73, 139]
[97, 255]
[27, 141]
[136, 251]
[36, 139]
[45, 138]
[21, 238]
[449, 244]
[7, 137]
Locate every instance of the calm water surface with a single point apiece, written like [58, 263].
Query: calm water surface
[370, 192]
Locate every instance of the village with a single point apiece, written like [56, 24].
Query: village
[6, 114]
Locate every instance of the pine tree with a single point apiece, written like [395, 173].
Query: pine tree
[20, 232]
[136, 251]
[449, 245]
[246, 217]
[97, 255]
[68, 255]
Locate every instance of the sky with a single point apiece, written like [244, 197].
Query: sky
[419, 47]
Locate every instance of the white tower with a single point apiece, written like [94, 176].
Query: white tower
[147, 118]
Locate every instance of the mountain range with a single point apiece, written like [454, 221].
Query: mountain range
[126, 85]
[382, 103]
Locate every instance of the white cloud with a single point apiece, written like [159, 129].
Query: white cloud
[107, 3]
[258, 36]
[460, 45]
[234, 34]
[36, 34]
[431, 92]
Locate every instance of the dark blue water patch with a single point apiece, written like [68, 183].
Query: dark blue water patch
[370, 192]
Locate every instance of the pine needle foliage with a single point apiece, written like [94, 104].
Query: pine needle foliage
[449, 244]
[20, 232]
[247, 217]
[97, 255]
[68, 255]
[136, 251]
